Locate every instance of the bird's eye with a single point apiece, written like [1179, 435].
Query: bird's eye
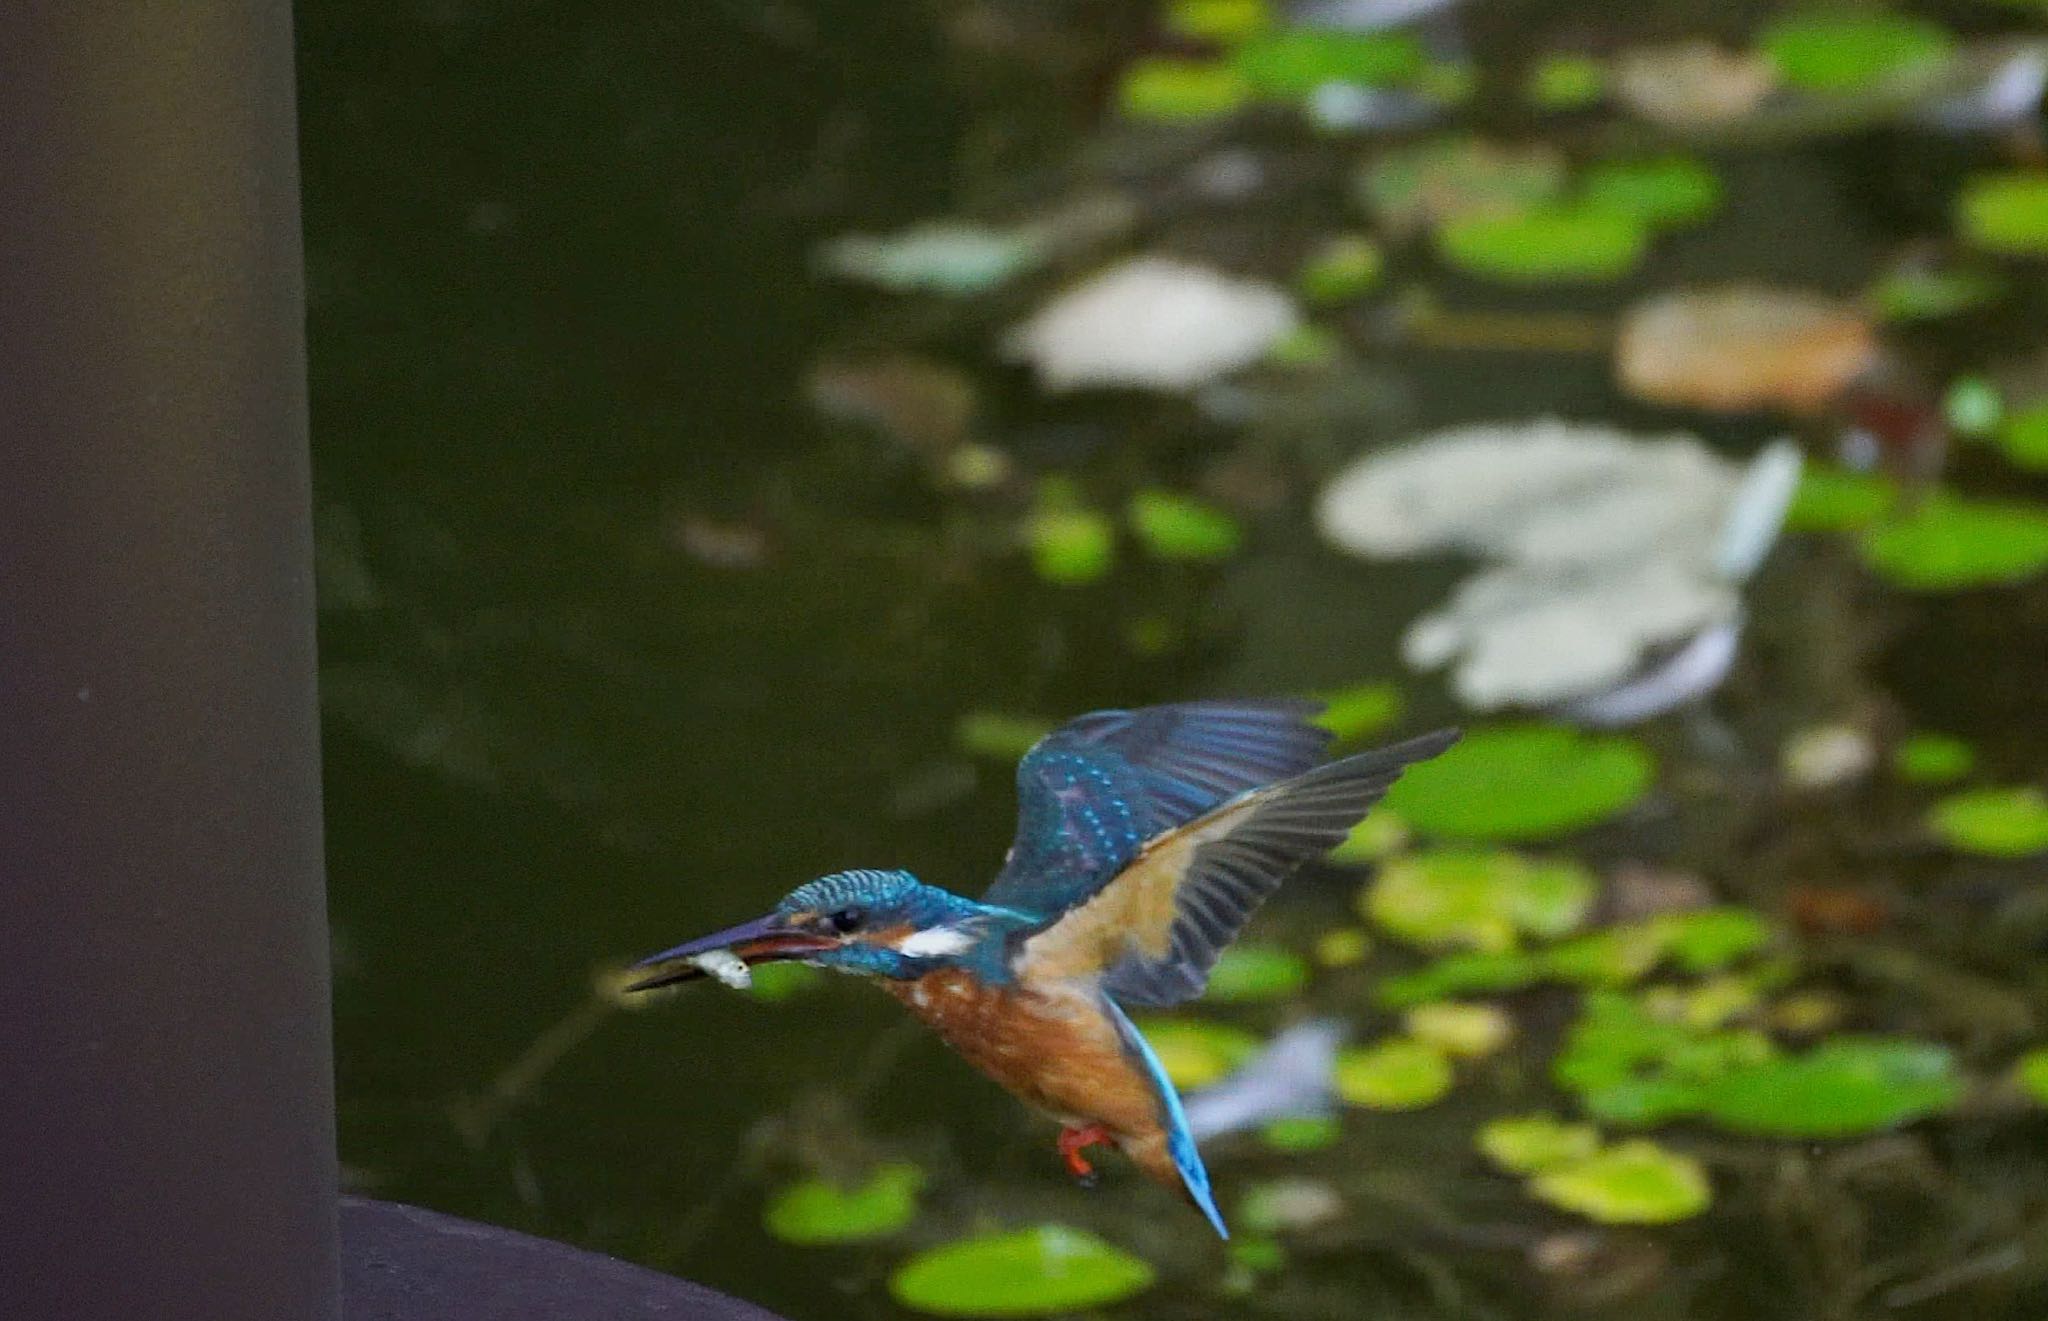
[844, 920]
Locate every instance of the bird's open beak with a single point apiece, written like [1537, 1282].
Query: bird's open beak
[763, 940]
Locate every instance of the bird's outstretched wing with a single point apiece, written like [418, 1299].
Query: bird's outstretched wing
[1091, 793]
[1154, 930]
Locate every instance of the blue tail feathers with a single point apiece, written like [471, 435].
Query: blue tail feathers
[1180, 1144]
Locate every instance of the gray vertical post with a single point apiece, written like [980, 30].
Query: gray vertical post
[165, 1097]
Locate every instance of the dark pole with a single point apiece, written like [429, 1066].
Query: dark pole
[165, 1097]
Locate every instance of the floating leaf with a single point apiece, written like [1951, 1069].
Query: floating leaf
[1195, 1053]
[1340, 270]
[1630, 1067]
[1692, 83]
[817, 1212]
[1743, 346]
[1181, 91]
[1972, 406]
[1399, 1073]
[1631, 1183]
[1841, 1088]
[1463, 1031]
[1484, 900]
[1039, 1271]
[1948, 543]
[1307, 345]
[1566, 82]
[1256, 972]
[1281, 1205]
[1919, 294]
[1295, 62]
[1709, 938]
[1545, 244]
[1463, 974]
[1664, 190]
[1531, 1144]
[1298, 1133]
[2031, 1073]
[1360, 711]
[1853, 51]
[1343, 948]
[1523, 781]
[1381, 834]
[1072, 547]
[1225, 22]
[1933, 758]
[1838, 500]
[2006, 212]
[1458, 176]
[2024, 437]
[1998, 823]
[998, 734]
[1178, 527]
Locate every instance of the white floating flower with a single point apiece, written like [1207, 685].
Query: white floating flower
[1154, 323]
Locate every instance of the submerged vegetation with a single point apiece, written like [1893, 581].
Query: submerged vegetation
[1668, 408]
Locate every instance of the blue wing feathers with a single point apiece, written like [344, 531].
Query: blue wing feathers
[1180, 1143]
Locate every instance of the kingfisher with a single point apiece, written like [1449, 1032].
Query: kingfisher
[1145, 840]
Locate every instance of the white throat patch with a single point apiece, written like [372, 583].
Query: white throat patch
[935, 942]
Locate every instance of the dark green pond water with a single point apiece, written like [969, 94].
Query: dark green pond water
[621, 642]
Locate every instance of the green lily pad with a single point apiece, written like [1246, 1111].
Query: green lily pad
[776, 982]
[1853, 50]
[2024, 437]
[1973, 407]
[1458, 176]
[1708, 938]
[1523, 781]
[2031, 1073]
[1283, 1205]
[1178, 527]
[1531, 1144]
[2005, 212]
[1225, 22]
[1072, 547]
[1256, 972]
[1949, 543]
[1664, 191]
[1630, 1183]
[816, 1212]
[1933, 759]
[1343, 948]
[1196, 1053]
[1462, 1031]
[1628, 1066]
[1480, 899]
[1841, 1088]
[1041, 1271]
[1546, 244]
[997, 734]
[1833, 499]
[1295, 62]
[1463, 974]
[1380, 834]
[1298, 1133]
[1340, 270]
[1399, 1073]
[1360, 711]
[1178, 91]
[1566, 82]
[1997, 823]
[1917, 294]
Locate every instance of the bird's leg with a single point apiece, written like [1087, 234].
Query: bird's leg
[1073, 1141]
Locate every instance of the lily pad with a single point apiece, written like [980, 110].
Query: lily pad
[1531, 1144]
[2031, 1073]
[1298, 1133]
[1481, 900]
[1463, 974]
[1998, 823]
[1040, 1271]
[1973, 407]
[1463, 1031]
[1523, 781]
[1175, 91]
[1949, 543]
[2024, 437]
[1743, 346]
[2005, 212]
[1380, 834]
[1853, 50]
[1545, 244]
[817, 1212]
[1071, 547]
[1566, 82]
[1838, 500]
[1256, 972]
[1841, 1088]
[1933, 759]
[1919, 294]
[1178, 527]
[1196, 1053]
[1442, 178]
[1340, 270]
[1631, 1183]
[1345, 947]
[1399, 1073]
[1360, 711]
[1225, 22]
[1295, 62]
[1629, 1066]
[1664, 190]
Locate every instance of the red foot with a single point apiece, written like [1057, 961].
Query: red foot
[1073, 1141]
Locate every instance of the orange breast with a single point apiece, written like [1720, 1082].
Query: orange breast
[1053, 1049]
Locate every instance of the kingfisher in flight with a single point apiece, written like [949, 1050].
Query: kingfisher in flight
[1145, 840]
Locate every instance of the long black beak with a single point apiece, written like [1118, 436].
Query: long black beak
[763, 940]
